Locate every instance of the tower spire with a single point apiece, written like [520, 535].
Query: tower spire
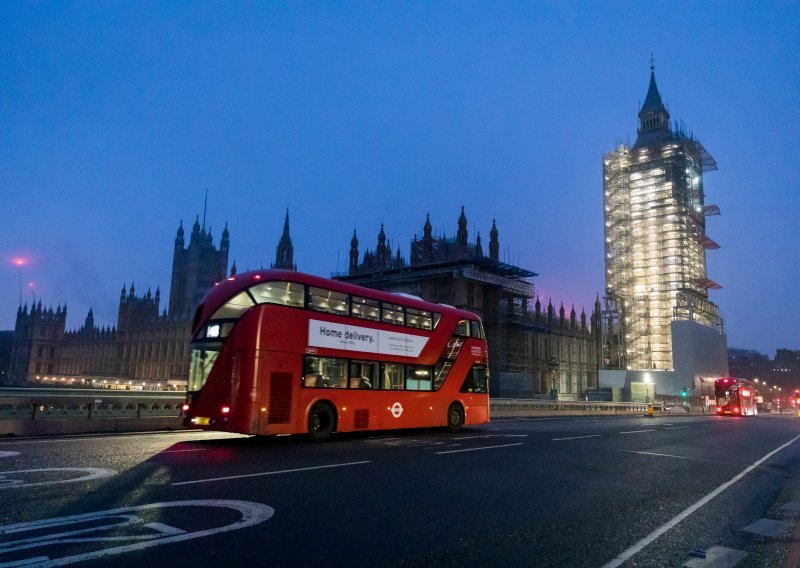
[284, 255]
[653, 116]
[205, 208]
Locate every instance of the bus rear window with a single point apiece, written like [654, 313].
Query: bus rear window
[476, 330]
[462, 328]
[283, 293]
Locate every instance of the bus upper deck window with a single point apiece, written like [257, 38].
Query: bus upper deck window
[365, 308]
[392, 313]
[323, 300]
[418, 318]
[235, 307]
[283, 293]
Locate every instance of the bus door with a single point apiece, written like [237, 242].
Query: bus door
[274, 391]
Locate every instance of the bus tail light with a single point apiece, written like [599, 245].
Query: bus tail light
[736, 410]
[185, 408]
[719, 410]
[225, 409]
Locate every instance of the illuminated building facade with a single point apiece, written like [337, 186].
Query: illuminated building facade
[535, 350]
[655, 237]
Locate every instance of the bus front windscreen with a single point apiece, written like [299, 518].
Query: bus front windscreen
[202, 361]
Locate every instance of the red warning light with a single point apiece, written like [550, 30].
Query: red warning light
[225, 409]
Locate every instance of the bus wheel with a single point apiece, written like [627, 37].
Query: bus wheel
[321, 422]
[455, 417]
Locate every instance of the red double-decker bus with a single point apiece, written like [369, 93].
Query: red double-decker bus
[735, 397]
[280, 352]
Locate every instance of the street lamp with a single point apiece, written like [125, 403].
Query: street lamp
[20, 262]
[647, 382]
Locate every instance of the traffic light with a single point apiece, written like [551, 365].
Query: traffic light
[684, 393]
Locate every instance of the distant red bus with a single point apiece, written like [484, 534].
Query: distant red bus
[735, 397]
[280, 352]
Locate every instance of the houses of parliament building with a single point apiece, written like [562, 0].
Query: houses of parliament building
[535, 349]
[148, 348]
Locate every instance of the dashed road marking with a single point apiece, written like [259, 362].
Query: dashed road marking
[677, 428]
[481, 448]
[576, 437]
[636, 431]
[655, 454]
[264, 473]
[8, 454]
[177, 451]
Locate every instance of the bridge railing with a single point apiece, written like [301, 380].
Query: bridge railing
[26, 411]
[500, 407]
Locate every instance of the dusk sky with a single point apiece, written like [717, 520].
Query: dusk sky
[115, 118]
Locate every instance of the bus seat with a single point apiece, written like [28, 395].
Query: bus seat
[341, 383]
[355, 383]
[310, 380]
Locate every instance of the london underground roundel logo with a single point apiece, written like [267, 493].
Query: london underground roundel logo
[397, 410]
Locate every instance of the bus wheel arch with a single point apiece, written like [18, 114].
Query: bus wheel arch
[455, 417]
[322, 421]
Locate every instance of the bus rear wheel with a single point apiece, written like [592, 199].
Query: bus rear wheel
[321, 422]
[455, 417]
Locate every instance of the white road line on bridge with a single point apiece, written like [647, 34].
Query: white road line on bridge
[677, 428]
[263, 473]
[481, 448]
[637, 547]
[655, 454]
[176, 451]
[576, 437]
[492, 436]
[636, 431]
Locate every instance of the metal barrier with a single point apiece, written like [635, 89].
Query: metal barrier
[526, 407]
[44, 411]
[45, 404]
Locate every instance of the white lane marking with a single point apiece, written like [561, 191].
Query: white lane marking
[576, 437]
[481, 448]
[491, 436]
[176, 451]
[8, 454]
[636, 431]
[637, 547]
[91, 473]
[655, 454]
[677, 428]
[670, 424]
[268, 473]
[252, 514]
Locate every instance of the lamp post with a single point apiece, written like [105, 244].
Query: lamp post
[647, 382]
[20, 262]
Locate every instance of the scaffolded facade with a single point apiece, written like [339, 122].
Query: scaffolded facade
[655, 235]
